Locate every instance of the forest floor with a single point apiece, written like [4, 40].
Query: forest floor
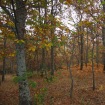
[58, 91]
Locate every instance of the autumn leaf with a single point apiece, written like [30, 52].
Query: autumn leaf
[69, 1]
[12, 55]
[11, 23]
[101, 88]
[49, 45]
[32, 49]
[19, 41]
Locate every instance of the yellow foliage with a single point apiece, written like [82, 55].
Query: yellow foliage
[64, 37]
[32, 48]
[19, 41]
[67, 30]
[68, 2]
[101, 87]
[11, 35]
[12, 55]
[11, 23]
[48, 45]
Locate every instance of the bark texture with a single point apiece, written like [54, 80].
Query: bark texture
[20, 17]
[24, 93]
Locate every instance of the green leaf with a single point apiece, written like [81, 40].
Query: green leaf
[103, 2]
[29, 74]
[44, 89]
[18, 79]
[79, 1]
[62, 43]
[32, 84]
[61, 1]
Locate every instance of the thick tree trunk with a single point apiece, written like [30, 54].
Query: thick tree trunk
[20, 17]
[24, 93]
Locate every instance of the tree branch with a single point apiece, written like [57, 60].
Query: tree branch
[7, 12]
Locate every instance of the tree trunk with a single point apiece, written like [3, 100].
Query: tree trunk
[4, 61]
[81, 51]
[43, 62]
[52, 60]
[20, 15]
[79, 47]
[4, 71]
[86, 49]
[103, 36]
[70, 70]
[97, 50]
[52, 36]
[24, 93]
[93, 66]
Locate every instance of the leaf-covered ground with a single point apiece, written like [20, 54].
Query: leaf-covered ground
[58, 91]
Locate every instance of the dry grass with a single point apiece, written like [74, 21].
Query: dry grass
[59, 90]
